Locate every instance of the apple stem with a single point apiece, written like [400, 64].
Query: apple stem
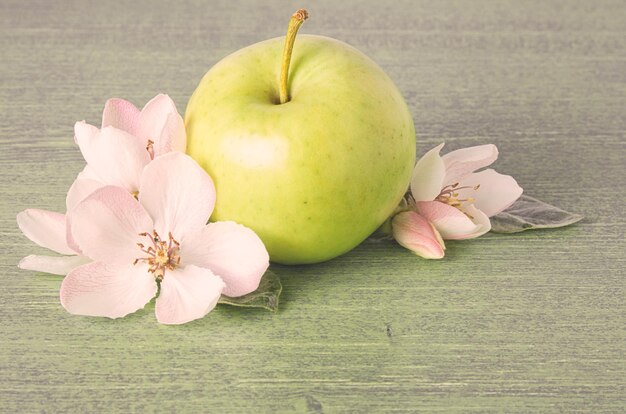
[292, 30]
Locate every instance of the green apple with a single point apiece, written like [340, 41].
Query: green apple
[313, 176]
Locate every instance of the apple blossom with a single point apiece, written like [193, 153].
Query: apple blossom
[115, 155]
[128, 140]
[455, 199]
[160, 239]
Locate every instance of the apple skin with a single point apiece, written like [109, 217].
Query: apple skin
[317, 175]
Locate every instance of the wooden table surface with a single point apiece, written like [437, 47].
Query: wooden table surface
[533, 322]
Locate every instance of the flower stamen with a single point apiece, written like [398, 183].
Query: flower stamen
[150, 148]
[450, 195]
[161, 256]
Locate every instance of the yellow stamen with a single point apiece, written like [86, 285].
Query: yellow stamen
[161, 256]
[449, 195]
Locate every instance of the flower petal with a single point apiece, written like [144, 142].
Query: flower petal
[56, 265]
[480, 219]
[463, 161]
[232, 251]
[415, 233]
[428, 175]
[173, 137]
[120, 114]
[84, 132]
[179, 203]
[46, 228]
[96, 289]
[496, 193]
[106, 226]
[81, 188]
[187, 294]
[160, 122]
[114, 156]
[453, 224]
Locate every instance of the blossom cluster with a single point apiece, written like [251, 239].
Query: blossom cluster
[448, 200]
[135, 226]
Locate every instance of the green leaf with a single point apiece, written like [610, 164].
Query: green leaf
[266, 296]
[529, 213]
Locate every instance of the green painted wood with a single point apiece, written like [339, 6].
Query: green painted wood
[507, 323]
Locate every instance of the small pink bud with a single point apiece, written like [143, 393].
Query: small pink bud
[418, 235]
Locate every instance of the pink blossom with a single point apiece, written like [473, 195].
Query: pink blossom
[160, 239]
[116, 155]
[457, 200]
[128, 140]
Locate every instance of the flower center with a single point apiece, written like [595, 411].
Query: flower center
[450, 195]
[162, 255]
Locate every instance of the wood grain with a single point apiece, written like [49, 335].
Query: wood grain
[533, 322]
